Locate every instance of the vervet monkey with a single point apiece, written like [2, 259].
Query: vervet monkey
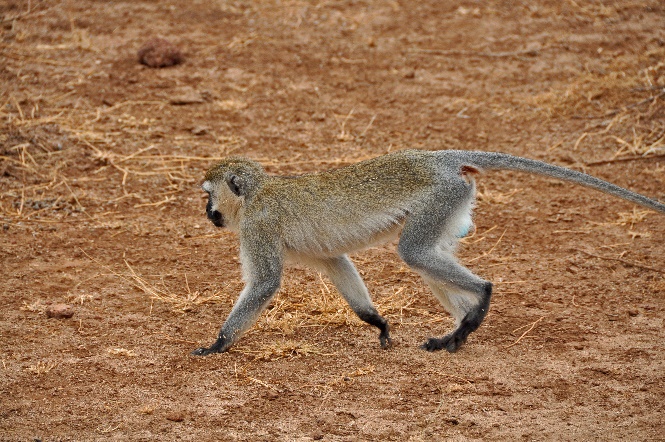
[424, 197]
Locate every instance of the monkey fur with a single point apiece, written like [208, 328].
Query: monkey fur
[423, 197]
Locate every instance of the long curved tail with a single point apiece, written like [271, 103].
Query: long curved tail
[502, 161]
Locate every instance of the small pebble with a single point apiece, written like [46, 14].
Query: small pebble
[200, 130]
[60, 311]
[175, 417]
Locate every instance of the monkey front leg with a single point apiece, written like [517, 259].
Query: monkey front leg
[254, 298]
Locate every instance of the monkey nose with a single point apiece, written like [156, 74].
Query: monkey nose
[216, 218]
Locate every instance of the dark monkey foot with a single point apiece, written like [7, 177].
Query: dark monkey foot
[450, 342]
[218, 347]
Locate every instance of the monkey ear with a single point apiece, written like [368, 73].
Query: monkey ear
[236, 184]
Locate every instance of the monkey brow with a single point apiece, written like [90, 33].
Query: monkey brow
[215, 172]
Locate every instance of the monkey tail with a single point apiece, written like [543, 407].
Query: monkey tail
[502, 161]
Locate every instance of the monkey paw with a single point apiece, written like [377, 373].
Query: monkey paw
[386, 342]
[203, 351]
[217, 347]
[384, 336]
[450, 342]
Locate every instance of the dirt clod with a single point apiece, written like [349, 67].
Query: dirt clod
[175, 416]
[60, 311]
[186, 96]
[159, 53]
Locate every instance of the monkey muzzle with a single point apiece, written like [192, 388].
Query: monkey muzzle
[214, 216]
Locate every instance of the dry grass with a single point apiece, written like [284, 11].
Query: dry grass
[80, 298]
[647, 143]
[35, 307]
[43, 142]
[491, 196]
[231, 105]
[309, 300]
[147, 409]
[41, 367]
[632, 218]
[343, 379]
[610, 87]
[299, 307]
[281, 350]
[123, 352]
[623, 97]
[171, 167]
[185, 301]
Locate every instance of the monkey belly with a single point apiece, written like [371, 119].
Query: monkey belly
[306, 246]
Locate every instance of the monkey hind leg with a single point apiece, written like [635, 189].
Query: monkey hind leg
[427, 243]
[348, 282]
[468, 308]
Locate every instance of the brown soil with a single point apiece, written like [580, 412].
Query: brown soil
[100, 161]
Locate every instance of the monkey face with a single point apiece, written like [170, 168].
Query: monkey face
[222, 206]
[229, 184]
[214, 215]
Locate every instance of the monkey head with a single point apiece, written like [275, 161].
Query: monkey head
[228, 185]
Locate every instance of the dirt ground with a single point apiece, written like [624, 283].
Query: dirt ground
[100, 162]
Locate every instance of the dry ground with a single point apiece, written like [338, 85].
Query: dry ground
[100, 159]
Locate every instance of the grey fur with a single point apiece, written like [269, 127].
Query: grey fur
[424, 197]
[502, 161]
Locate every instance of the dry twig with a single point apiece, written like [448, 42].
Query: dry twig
[640, 103]
[510, 54]
[623, 159]
[623, 261]
[533, 324]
